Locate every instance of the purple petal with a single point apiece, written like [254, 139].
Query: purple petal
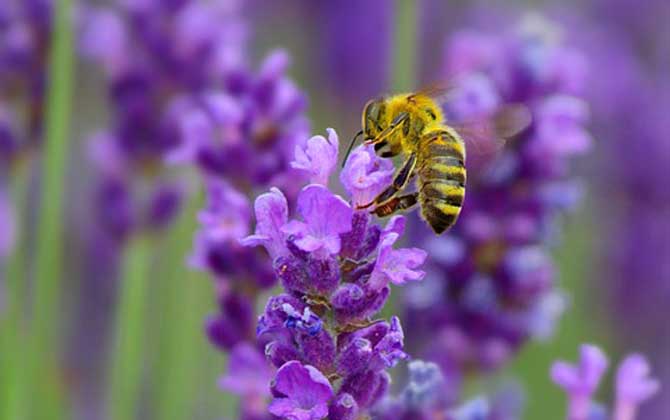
[271, 215]
[365, 175]
[633, 384]
[326, 217]
[396, 266]
[305, 389]
[318, 157]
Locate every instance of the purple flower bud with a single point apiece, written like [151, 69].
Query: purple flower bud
[278, 353]
[354, 357]
[292, 274]
[325, 217]
[318, 157]
[344, 407]
[366, 387]
[301, 392]
[324, 275]
[352, 302]
[318, 349]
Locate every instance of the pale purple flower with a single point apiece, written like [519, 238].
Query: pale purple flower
[301, 392]
[6, 225]
[562, 117]
[216, 122]
[633, 386]
[105, 39]
[365, 175]
[318, 157]
[396, 266]
[580, 381]
[271, 211]
[325, 216]
[227, 215]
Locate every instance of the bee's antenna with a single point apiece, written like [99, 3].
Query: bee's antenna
[351, 146]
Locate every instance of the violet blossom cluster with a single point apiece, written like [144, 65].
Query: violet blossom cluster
[241, 132]
[491, 286]
[329, 354]
[634, 161]
[426, 396]
[633, 385]
[25, 28]
[152, 52]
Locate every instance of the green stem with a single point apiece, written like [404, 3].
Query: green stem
[405, 45]
[126, 367]
[12, 339]
[181, 295]
[45, 381]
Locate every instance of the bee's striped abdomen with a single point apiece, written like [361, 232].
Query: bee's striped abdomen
[442, 178]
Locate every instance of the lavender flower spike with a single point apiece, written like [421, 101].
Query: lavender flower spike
[633, 386]
[318, 157]
[302, 392]
[326, 217]
[580, 382]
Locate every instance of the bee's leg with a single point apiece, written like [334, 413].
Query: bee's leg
[399, 182]
[393, 126]
[404, 202]
[382, 151]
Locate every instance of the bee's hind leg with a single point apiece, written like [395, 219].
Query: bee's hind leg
[404, 202]
[400, 181]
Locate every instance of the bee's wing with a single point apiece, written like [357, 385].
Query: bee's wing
[488, 135]
[439, 91]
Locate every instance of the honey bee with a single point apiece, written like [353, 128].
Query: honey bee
[413, 124]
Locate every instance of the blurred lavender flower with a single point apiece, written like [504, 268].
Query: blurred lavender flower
[25, 29]
[426, 397]
[6, 225]
[633, 386]
[635, 239]
[331, 354]
[153, 53]
[247, 132]
[491, 285]
[354, 62]
[248, 376]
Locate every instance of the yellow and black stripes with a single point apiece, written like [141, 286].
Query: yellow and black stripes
[442, 178]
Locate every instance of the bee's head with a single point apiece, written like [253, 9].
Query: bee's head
[373, 116]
